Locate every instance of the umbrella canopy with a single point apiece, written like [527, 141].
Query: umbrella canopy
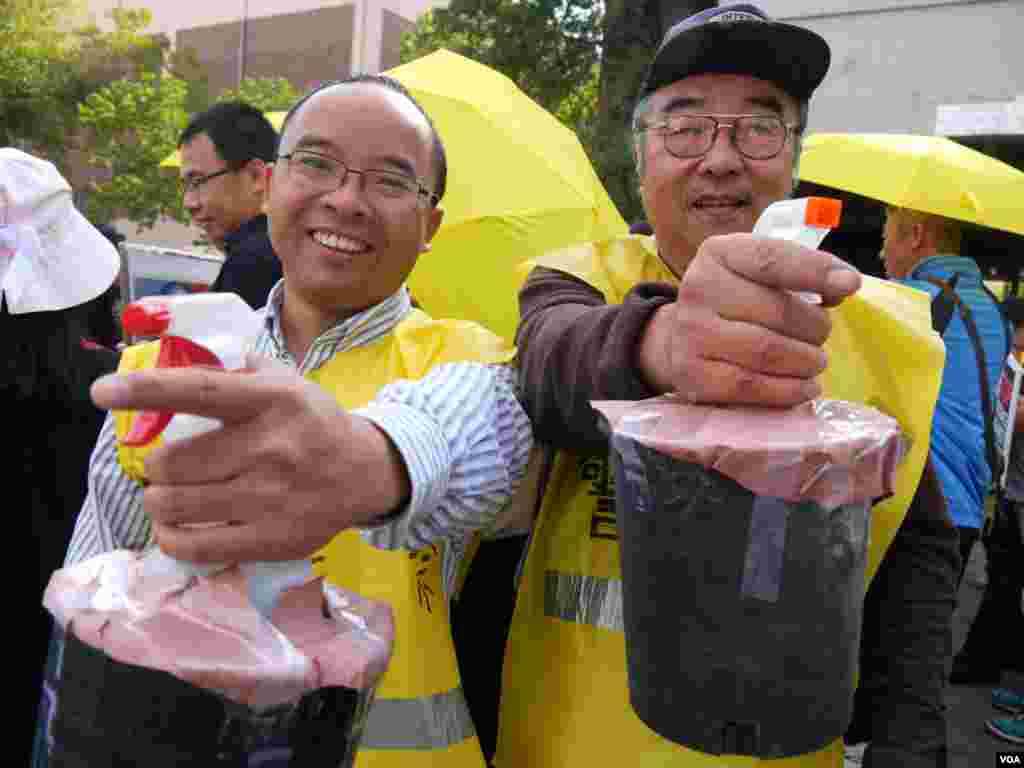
[519, 184]
[926, 173]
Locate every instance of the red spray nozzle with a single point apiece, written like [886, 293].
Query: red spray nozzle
[146, 317]
[175, 352]
[823, 212]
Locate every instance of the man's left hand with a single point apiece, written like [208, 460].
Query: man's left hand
[288, 470]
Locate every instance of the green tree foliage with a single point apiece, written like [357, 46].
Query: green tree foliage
[267, 94]
[36, 75]
[51, 60]
[548, 47]
[133, 125]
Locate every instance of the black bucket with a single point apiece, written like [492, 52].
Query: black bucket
[742, 613]
[115, 715]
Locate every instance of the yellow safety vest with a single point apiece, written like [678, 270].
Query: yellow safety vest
[419, 717]
[565, 697]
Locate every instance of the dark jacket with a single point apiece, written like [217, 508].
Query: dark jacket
[53, 443]
[251, 268]
[574, 348]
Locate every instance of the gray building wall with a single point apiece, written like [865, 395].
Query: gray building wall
[895, 61]
[303, 47]
[393, 27]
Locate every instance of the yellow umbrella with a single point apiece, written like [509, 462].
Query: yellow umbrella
[926, 173]
[519, 185]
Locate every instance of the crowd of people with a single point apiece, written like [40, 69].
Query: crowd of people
[366, 430]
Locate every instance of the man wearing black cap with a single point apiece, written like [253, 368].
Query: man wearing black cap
[703, 309]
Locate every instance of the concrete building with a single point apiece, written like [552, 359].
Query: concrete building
[303, 40]
[949, 67]
[935, 67]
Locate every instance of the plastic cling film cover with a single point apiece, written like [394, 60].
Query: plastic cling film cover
[831, 452]
[204, 629]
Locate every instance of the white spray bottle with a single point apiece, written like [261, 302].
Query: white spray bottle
[804, 220]
[215, 330]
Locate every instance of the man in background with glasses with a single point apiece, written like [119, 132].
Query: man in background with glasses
[376, 440]
[703, 309]
[225, 152]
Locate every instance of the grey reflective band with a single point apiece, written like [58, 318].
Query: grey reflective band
[590, 600]
[433, 722]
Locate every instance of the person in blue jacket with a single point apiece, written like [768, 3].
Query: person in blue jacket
[923, 251]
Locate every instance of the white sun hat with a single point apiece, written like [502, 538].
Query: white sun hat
[51, 257]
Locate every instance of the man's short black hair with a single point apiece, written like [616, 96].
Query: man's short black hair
[440, 158]
[239, 132]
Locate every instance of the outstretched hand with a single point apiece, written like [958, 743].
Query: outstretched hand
[287, 471]
[737, 334]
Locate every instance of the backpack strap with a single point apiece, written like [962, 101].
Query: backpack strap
[942, 313]
[1002, 313]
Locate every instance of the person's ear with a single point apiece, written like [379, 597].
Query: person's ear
[256, 171]
[917, 234]
[434, 217]
[267, 179]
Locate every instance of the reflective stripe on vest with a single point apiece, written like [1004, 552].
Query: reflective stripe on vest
[432, 722]
[582, 599]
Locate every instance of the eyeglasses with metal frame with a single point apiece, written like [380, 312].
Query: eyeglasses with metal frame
[195, 183]
[326, 174]
[756, 137]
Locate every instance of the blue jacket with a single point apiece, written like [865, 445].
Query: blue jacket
[958, 430]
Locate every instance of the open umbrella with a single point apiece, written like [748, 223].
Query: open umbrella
[519, 184]
[926, 173]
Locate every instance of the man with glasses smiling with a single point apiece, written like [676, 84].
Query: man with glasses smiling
[398, 436]
[225, 152]
[705, 310]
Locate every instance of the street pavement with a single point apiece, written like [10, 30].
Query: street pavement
[970, 745]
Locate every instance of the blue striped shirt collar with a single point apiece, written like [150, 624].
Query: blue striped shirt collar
[358, 330]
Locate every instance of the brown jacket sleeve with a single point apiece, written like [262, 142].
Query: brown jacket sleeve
[574, 348]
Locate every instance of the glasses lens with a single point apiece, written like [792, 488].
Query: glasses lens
[390, 186]
[760, 136]
[689, 135]
[318, 171]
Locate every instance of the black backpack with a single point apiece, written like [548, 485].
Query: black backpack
[945, 302]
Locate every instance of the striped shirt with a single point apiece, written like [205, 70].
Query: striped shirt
[460, 430]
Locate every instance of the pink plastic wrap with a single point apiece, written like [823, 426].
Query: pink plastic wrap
[204, 630]
[831, 452]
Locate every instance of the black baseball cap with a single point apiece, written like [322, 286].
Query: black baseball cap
[740, 39]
